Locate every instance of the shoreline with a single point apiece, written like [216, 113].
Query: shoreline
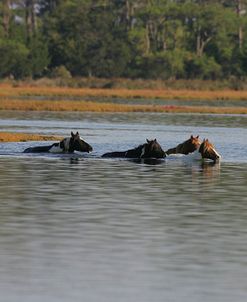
[8, 137]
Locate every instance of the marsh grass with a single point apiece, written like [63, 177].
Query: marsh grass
[24, 137]
[7, 90]
[24, 98]
[82, 106]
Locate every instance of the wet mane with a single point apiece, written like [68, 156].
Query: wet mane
[206, 145]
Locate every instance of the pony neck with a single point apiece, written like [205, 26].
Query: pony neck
[143, 150]
[66, 144]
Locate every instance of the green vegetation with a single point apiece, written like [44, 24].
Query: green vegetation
[158, 39]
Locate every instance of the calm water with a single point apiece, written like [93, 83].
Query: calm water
[82, 228]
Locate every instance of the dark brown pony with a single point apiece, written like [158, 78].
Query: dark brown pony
[151, 149]
[207, 150]
[188, 146]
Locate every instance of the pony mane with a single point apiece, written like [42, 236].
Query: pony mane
[206, 145]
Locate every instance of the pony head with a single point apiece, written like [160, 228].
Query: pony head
[78, 144]
[207, 150]
[152, 149]
[191, 145]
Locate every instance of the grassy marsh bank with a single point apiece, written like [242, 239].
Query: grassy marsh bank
[24, 137]
[170, 94]
[28, 98]
[82, 106]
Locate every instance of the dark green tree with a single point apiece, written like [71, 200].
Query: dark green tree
[131, 38]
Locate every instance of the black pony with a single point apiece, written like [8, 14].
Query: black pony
[151, 149]
[67, 145]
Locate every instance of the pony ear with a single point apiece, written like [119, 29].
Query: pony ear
[155, 140]
[148, 141]
[72, 134]
[77, 133]
[191, 136]
[197, 136]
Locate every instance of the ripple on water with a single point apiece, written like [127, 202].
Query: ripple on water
[114, 230]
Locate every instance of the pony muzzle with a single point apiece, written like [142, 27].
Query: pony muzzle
[90, 149]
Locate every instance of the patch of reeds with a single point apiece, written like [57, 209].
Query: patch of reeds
[24, 137]
[64, 105]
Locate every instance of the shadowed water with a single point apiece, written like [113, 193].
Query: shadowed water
[82, 228]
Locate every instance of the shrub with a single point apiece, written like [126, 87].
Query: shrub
[14, 59]
[202, 67]
[61, 72]
[38, 57]
[164, 65]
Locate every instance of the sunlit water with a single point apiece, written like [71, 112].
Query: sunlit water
[83, 228]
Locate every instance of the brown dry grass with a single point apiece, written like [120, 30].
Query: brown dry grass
[24, 137]
[7, 90]
[8, 94]
[63, 105]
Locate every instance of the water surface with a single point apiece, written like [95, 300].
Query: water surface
[82, 228]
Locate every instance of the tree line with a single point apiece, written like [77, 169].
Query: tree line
[152, 39]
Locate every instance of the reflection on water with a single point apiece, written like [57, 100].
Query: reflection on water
[83, 228]
[90, 229]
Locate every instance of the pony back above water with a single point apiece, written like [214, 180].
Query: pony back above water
[67, 145]
[151, 149]
[188, 146]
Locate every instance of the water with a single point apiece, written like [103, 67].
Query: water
[82, 228]
[146, 101]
